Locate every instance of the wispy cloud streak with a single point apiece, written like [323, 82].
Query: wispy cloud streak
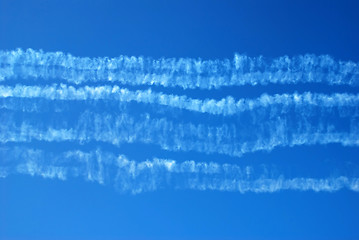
[226, 106]
[231, 140]
[136, 177]
[259, 124]
[184, 72]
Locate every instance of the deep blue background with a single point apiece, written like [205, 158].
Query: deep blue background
[36, 208]
[206, 29]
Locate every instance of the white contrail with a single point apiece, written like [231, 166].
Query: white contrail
[226, 106]
[184, 73]
[232, 140]
[37, 105]
[150, 175]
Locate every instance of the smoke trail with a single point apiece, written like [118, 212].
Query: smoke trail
[137, 177]
[228, 139]
[226, 106]
[184, 73]
[35, 105]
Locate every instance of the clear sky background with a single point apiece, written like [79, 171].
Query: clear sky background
[37, 208]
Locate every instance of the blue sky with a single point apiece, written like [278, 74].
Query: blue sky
[33, 207]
